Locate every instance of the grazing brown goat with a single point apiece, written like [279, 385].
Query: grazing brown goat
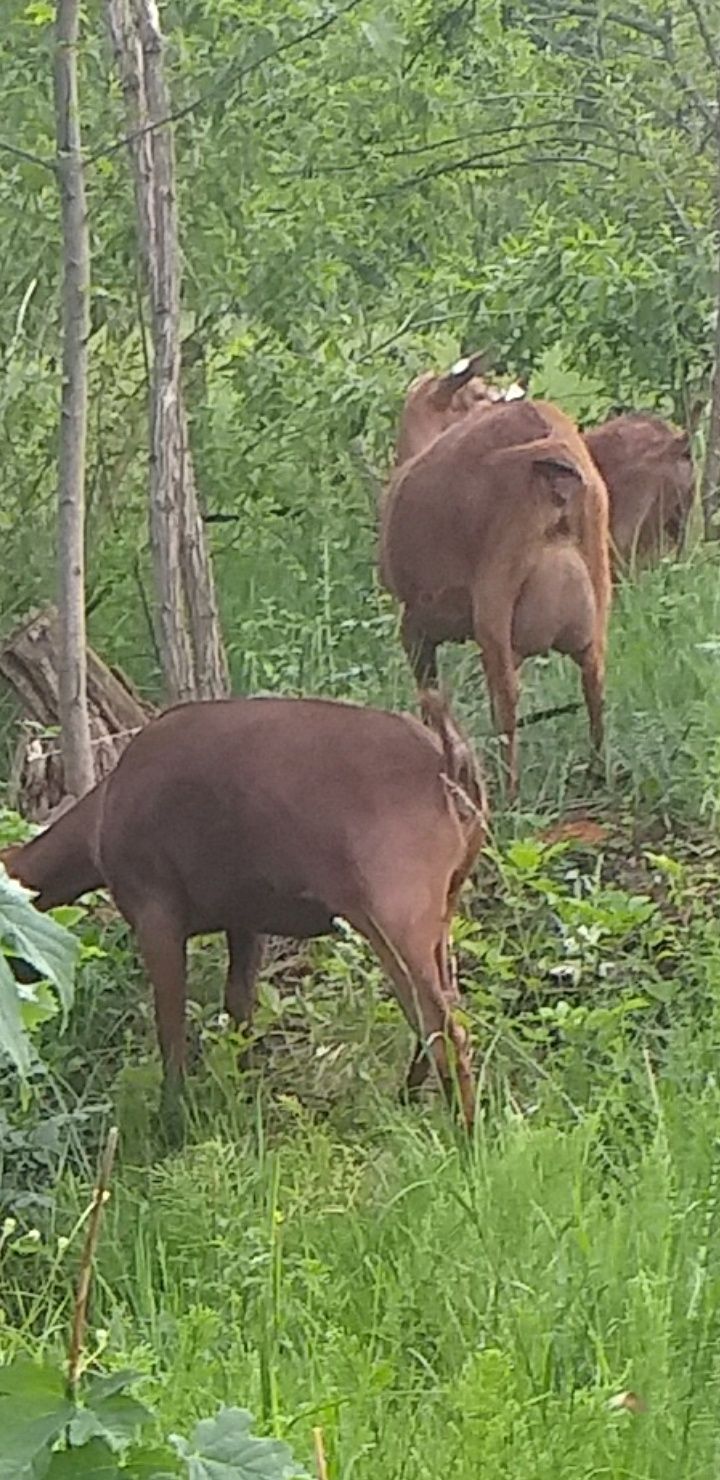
[275, 816]
[498, 530]
[648, 468]
[435, 402]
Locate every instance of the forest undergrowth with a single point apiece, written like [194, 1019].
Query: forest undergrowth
[325, 1257]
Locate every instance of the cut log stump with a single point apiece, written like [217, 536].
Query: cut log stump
[29, 665]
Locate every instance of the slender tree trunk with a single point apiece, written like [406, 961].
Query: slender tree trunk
[710, 484]
[77, 752]
[190, 638]
[211, 673]
[165, 536]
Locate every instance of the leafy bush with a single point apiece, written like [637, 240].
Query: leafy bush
[51, 950]
[49, 1435]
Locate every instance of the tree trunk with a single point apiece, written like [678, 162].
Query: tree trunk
[29, 664]
[211, 673]
[72, 670]
[190, 638]
[710, 482]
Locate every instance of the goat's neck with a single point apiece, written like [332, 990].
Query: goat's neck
[59, 864]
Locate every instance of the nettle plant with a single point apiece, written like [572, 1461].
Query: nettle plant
[51, 1433]
[564, 968]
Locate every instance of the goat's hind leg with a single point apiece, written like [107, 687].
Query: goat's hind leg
[421, 1061]
[410, 955]
[244, 960]
[592, 669]
[502, 682]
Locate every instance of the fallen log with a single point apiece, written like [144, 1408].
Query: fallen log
[29, 665]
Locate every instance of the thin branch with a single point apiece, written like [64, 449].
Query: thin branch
[410, 325]
[562, 48]
[711, 49]
[100, 1197]
[540, 715]
[361, 161]
[498, 160]
[617, 18]
[27, 155]
[238, 76]
[320, 1459]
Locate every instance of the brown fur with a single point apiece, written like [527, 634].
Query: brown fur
[435, 402]
[499, 531]
[648, 468]
[274, 816]
[60, 863]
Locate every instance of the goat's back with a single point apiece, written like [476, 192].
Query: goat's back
[437, 505]
[648, 468]
[229, 808]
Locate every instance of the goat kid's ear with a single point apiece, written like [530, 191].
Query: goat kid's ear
[562, 476]
[465, 368]
[457, 376]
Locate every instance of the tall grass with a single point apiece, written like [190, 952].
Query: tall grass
[439, 1310]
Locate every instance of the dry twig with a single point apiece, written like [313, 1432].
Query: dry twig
[100, 1197]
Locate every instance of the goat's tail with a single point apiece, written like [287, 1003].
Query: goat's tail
[462, 768]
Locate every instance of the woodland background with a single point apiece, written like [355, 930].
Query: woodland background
[365, 192]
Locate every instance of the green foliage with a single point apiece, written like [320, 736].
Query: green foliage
[48, 947]
[47, 1433]
[405, 182]
[223, 1448]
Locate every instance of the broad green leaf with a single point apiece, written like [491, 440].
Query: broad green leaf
[48, 947]
[13, 1036]
[94, 1460]
[223, 1448]
[38, 1003]
[107, 1384]
[152, 1464]
[34, 1411]
[116, 1419]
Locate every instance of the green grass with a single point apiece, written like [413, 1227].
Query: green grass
[323, 1256]
[438, 1311]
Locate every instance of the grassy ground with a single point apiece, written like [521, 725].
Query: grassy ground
[321, 1255]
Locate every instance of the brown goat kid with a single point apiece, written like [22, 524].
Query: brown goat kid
[275, 816]
[499, 531]
[648, 468]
